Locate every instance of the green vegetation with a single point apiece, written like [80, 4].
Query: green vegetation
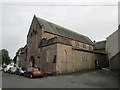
[4, 57]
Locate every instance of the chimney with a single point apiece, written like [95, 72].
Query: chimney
[94, 41]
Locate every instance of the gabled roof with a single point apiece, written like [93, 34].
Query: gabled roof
[56, 29]
[100, 45]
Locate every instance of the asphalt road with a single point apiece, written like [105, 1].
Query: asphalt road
[91, 79]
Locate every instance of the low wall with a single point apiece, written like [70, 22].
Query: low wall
[71, 59]
[86, 60]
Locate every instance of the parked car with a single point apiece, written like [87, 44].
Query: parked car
[20, 71]
[12, 70]
[34, 72]
[7, 68]
[1, 68]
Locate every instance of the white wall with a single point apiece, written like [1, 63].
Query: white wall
[112, 44]
[119, 24]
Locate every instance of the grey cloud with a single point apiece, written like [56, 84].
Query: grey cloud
[95, 22]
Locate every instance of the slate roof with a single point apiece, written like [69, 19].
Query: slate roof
[100, 45]
[56, 29]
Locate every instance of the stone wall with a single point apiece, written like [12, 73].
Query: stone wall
[67, 40]
[48, 58]
[47, 35]
[33, 39]
[83, 60]
[64, 59]
[73, 60]
[22, 60]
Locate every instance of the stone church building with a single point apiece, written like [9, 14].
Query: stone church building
[58, 50]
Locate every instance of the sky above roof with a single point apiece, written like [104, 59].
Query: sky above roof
[96, 19]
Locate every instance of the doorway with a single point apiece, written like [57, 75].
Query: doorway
[32, 61]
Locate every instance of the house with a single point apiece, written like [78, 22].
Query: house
[113, 49]
[100, 46]
[58, 50]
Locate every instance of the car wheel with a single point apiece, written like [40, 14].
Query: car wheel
[16, 73]
[41, 76]
[31, 76]
[19, 74]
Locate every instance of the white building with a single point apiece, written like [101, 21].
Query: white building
[113, 49]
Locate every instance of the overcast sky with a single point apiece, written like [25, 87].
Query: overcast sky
[96, 19]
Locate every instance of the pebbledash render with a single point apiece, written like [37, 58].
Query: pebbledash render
[58, 50]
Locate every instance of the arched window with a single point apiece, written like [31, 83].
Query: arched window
[32, 61]
[54, 60]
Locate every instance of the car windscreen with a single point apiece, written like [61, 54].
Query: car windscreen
[35, 69]
[24, 69]
[13, 68]
[40, 69]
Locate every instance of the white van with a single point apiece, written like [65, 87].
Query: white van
[7, 68]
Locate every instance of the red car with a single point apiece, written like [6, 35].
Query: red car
[34, 72]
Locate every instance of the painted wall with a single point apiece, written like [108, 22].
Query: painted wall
[114, 62]
[112, 44]
[113, 49]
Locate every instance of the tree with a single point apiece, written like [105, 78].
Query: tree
[17, 53]
[4, 56]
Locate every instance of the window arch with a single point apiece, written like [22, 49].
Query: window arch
[32, 61]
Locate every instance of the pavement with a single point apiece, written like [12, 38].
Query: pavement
[89, 79]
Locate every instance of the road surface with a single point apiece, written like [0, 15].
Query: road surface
[90, 79]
